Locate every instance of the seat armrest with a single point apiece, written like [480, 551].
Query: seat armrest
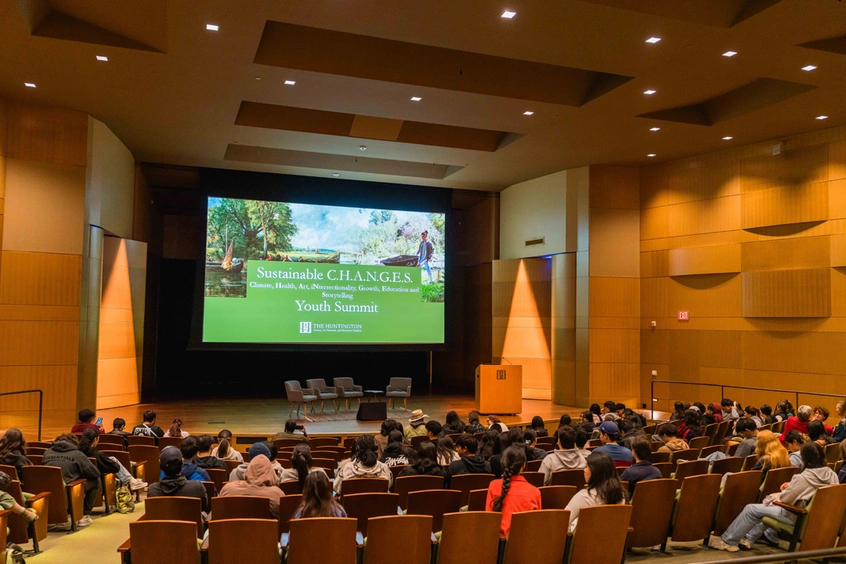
[331, 390]
[35, 498]
[311, 392]
[792, 508]
[408, 390]
[75, 483]
[357, 388]
[389, 389]
[125, 547]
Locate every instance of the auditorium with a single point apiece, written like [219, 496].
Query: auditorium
[367, 281]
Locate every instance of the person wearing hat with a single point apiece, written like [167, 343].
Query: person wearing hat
[258, 449]
[174, 483]
[259, 481]
[416, 427]
[609, 433]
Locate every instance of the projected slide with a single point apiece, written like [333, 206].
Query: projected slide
[297, 273]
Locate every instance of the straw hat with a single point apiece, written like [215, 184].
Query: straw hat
[417, 415]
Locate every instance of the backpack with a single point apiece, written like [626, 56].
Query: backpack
[13, 556]
[123, 500]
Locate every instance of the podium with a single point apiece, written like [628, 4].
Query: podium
[499, 388]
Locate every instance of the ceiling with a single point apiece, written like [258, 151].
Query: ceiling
[177, 94]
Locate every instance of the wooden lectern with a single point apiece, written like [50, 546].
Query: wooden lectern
[499, 388]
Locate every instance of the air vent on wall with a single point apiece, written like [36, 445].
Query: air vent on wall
[531, 242]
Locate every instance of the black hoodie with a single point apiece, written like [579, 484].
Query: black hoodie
[17, 459]
[74, 464]
[468, 465]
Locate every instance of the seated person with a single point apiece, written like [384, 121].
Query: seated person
[224, 450]
[446, 451]
[190, 470]
[8, 503]
[793, 442]
[426, 462]
[771, 454]
[259, 480]
[603, 486]
[205, 459]
[416, 426]
[565, 457]
[175, 430]
[530, 439]
[582, 438]
[107, 464]
[266, 449]
[12, 449]
[672, 442]
[748, 527]
[434, 429]
[497, 425]
[474, 425]
[300, 466]
[747, 431]
[318, 500]
[609, 433]
[86, 416]
[799, 422]
[394, 453]
[539, 427]
[388, 425]
[118, 428]
[642, 469]
[148, 428]
[174, 482]
[816, 432]
[512, 493]
[469, 462]
[290, 432]
[65, 453]
[364, 464]
[454, 425]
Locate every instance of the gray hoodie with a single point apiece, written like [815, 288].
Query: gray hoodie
[796, 459]
[804, 485]
[568, 459]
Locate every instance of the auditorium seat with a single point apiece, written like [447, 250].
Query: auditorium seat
[240, 507]
[65, 499]
[170, 441]
[20, 532]
[774, 480]
[472, 535]
[323, 391]
[726, 465]
[467, 482]
[364, 485]
[652, 508]
[695, 508]
[698, 443]
[709, 450]
[111, 442]
[406, 535]
[307, 534]
[175, 508]
[317, 443]
[539, 537]
[398, 388]
[740, 489]
[288, 504]
[404, 485]
[149, 455]
[690, 468]
[243, 540]
[299, 397]
[687, 455]
[533, 465]
[568, 478]
[435, 503]
[156, 541]
[366, 505]
[140, 440]
[818, 524]
[534, 478]
[347, 390]
[477, 500]
[557, 497]
[218, 476]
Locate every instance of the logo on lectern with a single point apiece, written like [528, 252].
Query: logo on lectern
[500, 374]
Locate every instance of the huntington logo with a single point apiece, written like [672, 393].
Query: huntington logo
[305, 326]
[500, 374]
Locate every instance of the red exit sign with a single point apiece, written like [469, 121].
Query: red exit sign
[684, 316]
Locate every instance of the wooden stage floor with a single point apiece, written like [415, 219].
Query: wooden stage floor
[267, 416]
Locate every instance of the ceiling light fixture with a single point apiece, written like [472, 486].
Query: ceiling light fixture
[729, 53]
[818, 117]
[649, 92]
[653, 40]
[654, 129]
[102, 58]
[528, 113]
[362, 147]
[290, 82]
[651, 155]
[212, 27]
[808, 68]
[416, 98]
[728, 138]
[508, 14]
[29, 84]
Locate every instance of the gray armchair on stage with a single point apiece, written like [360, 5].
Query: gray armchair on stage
[298, 396]
[399, 388]
[324, 392]
[346, 390]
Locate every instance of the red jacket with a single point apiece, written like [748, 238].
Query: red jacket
[80, 427]
[521, 496]
[793, 424]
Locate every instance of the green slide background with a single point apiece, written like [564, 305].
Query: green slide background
[270, 315]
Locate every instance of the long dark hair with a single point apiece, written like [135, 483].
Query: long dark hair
[595, 409]
[223, 439]
[317, 497]
[678, 410]
[365, 450]
[427, 457]
[86, 442]
[691, 419]
[388, 425]
[301, 462]
[12, 441]
[175, 428]
[446, 448]
[813, 455]
[816, 431]
[603, 478]
[513, 461]
[486, 445]
[455, 423]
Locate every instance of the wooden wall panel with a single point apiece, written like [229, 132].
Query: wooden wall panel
[787, 293]
[606, 183]
[40, 279]
[715, 259]
[51, 135]
[713, 295]
[654, 263]
[787, 254]
[38, 342]
[793, 168]
[785, 205]
[655, 223]
[614, 297]
[704, 216]
[704, 181]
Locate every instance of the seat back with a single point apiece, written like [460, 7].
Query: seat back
[364, 485]
[39, 479]
[316, 443]
[366, 505]
[288, 505]
[533, 465]
[652, 509]
[536, 536]
[698, 443]
[334, 536]
[832, 453]
[283, 443]
[4, 523]
[400, 384]
[710, 431]
[687, 455]
[293, 386]
[406, 535]
[568, 478]
[418, 440]
[740, 489]
[140, 440]
[556, 497]
[607, 522]
[121, 456]
[230, 466]
[467, 482]
[111, 442]
[218, 476]
[290, 487]
[10, 470]
[36, 458]
[721, 433]
[824, 519]
[695, 507]
[749, 462]
[242, 540]
[473, 533]
[534, 478]
[709, 450]
[404, 485]
[691, 468]
[435, 503]
[157, 541]
[240, 507]
[170, 441]
[775, 478]
[318, 384]
[477, 501]
[657, 457]
[728, 464]
[344, 383]
[175, 508]
[150, 455]
[666, 469]
[19, 530]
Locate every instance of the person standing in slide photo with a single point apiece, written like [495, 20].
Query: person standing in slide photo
[425, 252]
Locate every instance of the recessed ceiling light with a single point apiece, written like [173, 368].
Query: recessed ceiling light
[290, 82]
[508, 14]
[29, 84]
[818, 117]
[729, 53]
[212, 27]
[102, 58]
[653, 40]
[654, 129]
[416, 98]
[651, 155]
[528, 113]
[808, 68]
[362, 147]
[728, 138]
[258, 78]
[336, 174]
[649, 92]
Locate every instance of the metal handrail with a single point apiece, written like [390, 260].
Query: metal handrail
[40, 404]
[724, 386]
[785, 557]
